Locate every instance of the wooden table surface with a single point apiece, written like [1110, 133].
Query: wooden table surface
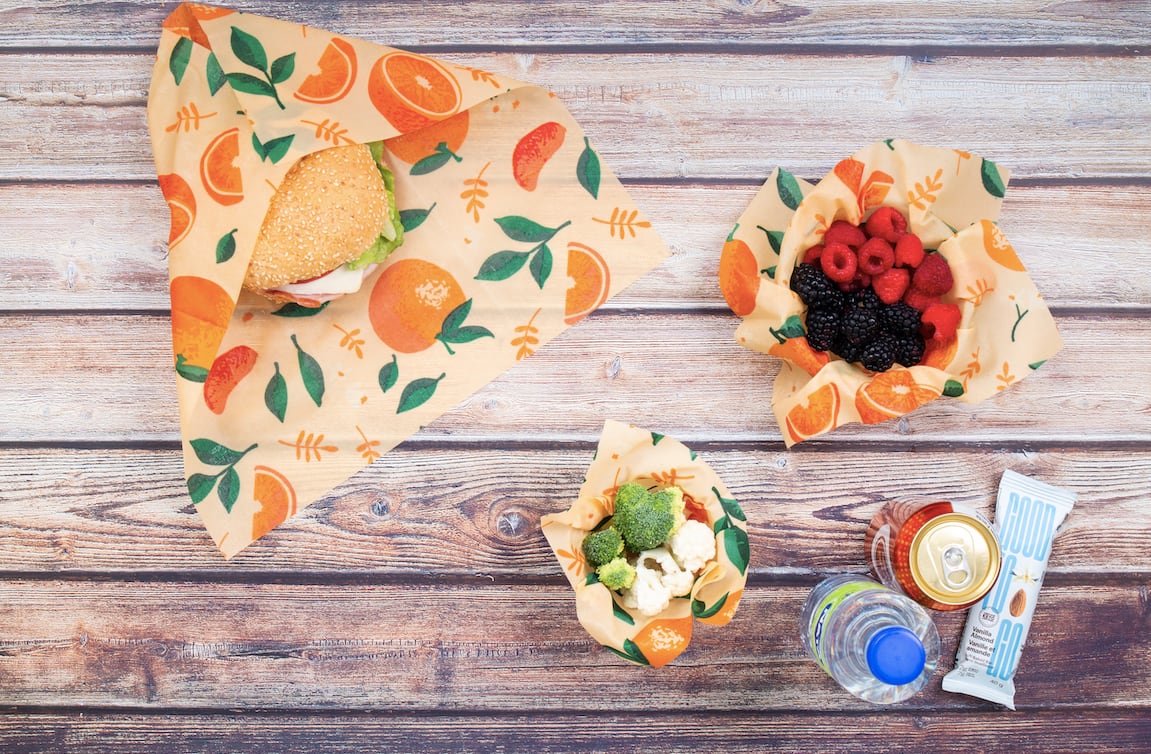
[418, 606]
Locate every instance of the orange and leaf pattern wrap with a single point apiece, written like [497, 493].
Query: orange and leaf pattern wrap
[951, 199]
[629, 454]
[514, 230]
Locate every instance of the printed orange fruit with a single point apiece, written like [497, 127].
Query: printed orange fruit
[890, 394]
[416, 145]
[591, 282]
[939, 354]
[181, 206]
[228, 369]
[412, 91]
[201, 310]
[185, 20]
[218, 170]
[533, 151]
[662, 640]
[409, 302]
[727, 612]
[998, 248]
[738, 276]
[336, 75]
[799, 352]
[277, 499]
[818, 415]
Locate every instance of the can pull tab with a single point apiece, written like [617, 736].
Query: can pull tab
[956, 570]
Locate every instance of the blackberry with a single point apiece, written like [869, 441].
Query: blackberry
[879, 354]
[815, 288]
[822, 327]
[899, 319]
[909, 350]
[859, 324]
[846, 350]
[865, 298]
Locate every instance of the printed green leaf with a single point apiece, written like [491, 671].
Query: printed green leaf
[775, 238]
[992, 181]
[1036, 364]
[411, 219]
[770, 271]
[655, 438]
[953, 388]
[418, 392]
[311, 372]
[456, 317]
[293, 309]
[243, 82]
[721, 524]
[229, 489]
[181, 55]
[435, 160]
[248, 49]
[453, 330]
[738, 550]
[226, 246]
[282, 68]
[200, 486]
[541, 266]
[588, 169]
[730, 506]
[789, 192]
[792, 328]
[389, 374]
[889, 144]
[273, 149]
[276, 394]
[466, 334]
[592, 578]
[502, 265]
[621, 614]
[214, 74]
[701, 610]
[212, 453]
[633, 652]
[524, 230]
[189, 372]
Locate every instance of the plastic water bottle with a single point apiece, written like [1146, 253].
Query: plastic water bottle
[876, 643]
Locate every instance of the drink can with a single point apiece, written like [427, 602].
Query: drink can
[942, 555]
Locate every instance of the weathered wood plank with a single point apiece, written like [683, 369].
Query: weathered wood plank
[1050, 731]
[105, 511]
[704, 116]
[102, 246]
[79, 378]
[211, 646]
[547, 23]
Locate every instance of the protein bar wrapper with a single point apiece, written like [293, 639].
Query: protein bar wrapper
[513, 231]
[951, 199]
[1029, 514]
[629, 454]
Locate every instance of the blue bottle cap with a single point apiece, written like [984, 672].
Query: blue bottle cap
[895, 655]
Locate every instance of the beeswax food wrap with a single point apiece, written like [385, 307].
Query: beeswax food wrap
[629, 454]
[951, 200]
[514, 230]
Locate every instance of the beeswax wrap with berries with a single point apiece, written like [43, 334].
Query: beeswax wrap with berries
[629, 454]
[951, 200]
[514, 230]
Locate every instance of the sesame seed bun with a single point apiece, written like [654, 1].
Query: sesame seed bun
[328, 210]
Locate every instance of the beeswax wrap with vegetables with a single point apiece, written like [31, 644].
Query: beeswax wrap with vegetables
[513, 231]
[629, 454]
[951, 200]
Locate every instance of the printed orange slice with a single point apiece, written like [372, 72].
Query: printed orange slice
[998, 248]
[738, 276]
[818, 415]
[218, 170]
[181, 206]
[412, 91]
[939, 354]
[727, 612]
[277, 499]
[662, 640]
[336, 75]
[201, 310]
[416, 145]
[890, 394]
[409, 303]
[185, 20]
[591, 282]
[799, 352]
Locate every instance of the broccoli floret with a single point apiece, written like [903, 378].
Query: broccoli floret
[616, 574]
[644, 520]
[602, 546]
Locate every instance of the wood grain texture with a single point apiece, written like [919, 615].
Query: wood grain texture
[492, 647]
[108, 251]
[807, 512]
[712, 116]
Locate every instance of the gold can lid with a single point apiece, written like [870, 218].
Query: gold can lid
[954, 559]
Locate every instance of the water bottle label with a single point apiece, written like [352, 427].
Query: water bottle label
[826, 608]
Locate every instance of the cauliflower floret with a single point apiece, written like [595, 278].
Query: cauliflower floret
[658, 579]
[693, 546]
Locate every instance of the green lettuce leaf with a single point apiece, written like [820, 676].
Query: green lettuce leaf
[392, 234]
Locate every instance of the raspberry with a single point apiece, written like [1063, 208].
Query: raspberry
[822, 327]
[933, 276]
[918, 299]
[879, 354]
[899, 319]
[876, 256]
[940, 321]
[909, 251]
[909, 350]
[891, 285]
[886, 223]
[860, 324]
[814, 288]
[845, 233]
[811, 256]
[838, 262]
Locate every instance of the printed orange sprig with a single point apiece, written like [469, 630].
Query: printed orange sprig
[868, 193]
